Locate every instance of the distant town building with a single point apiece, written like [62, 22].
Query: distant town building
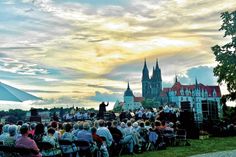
[203, 100]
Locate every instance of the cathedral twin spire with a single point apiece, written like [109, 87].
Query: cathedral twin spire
[145, 76]
[155, 73]
[151, 86]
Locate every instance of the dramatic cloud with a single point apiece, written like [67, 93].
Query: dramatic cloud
[88, 50]
[23, 68]
[106, 97]
[203, 74]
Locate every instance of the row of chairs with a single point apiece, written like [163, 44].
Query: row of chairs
[16, 151]
[165, 138]
[178, 137]
[82, 147]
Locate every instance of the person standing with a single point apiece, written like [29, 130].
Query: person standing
[102, 109]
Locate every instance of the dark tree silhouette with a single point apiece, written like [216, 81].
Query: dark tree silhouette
[226, 55]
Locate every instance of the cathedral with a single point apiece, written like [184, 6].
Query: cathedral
[152, 86]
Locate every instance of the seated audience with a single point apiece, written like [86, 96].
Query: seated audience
[11, 139]
[85, 134]
[57, 133]
[99, 142]
[38, 133]
[5, 133]
[70, 137]
[26, 142]
[103, 131]
[52, 140]
[32, 130]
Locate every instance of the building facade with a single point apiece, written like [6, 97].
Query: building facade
[151, 86]
[202, 100]
[130, 101]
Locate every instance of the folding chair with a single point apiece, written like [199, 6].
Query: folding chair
[17, 151]
[24, 151]
[181, 136]
[116, 148]
[84, 148]
[47, 146]
[6, 150]
[65, 144]
[152, 143]
[169, 137]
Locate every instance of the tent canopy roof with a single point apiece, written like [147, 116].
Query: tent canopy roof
[8, 93]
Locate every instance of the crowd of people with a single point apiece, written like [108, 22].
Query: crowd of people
[127, 133]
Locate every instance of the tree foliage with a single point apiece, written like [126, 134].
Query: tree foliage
[148, 104]
[226, 55]
[118, 108]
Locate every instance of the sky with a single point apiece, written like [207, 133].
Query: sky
[82, 52]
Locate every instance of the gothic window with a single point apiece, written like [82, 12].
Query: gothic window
[186, 92]
[182, 91]
[206, 94]
[214, 93]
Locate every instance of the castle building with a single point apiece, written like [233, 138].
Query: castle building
[202, 100]
[151, 87]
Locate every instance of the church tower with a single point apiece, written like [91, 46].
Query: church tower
[128, 99]
[151, 87]
[156, 82]
[145, 81]
[159, 79]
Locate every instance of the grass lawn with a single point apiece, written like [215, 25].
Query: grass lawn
[197, 147]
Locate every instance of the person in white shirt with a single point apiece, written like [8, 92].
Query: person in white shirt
[103, 131]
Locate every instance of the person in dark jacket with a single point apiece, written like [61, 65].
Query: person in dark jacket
[102, 109]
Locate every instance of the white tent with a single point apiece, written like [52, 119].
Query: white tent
[8, 93]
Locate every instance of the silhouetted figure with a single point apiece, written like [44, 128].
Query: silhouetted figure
[55, 117]
[102, 109]
[122, 116]
[34, 117]
[61, 113]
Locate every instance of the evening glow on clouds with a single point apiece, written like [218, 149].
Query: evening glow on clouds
[83, 52]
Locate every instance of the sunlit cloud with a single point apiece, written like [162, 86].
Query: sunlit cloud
[86, 50]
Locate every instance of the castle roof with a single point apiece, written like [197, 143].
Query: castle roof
[163, 93]
[128, 91]
[138, 99]
[178, 87]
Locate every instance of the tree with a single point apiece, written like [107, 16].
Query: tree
[117, 108]
[226, 56]
[148, 104]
